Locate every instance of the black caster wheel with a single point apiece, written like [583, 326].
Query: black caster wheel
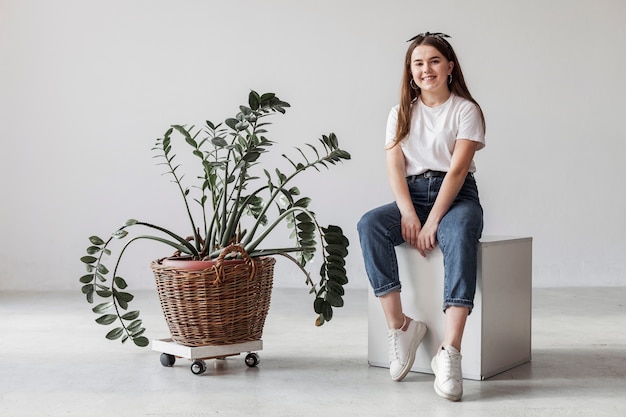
[167, 360]
[198, 367]
[252, 359]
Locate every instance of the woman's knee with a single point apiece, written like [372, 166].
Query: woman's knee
[379, 218]
[364, 222]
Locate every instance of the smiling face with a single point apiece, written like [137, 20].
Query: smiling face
[430, 69]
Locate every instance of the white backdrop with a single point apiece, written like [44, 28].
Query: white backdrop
[86, 87]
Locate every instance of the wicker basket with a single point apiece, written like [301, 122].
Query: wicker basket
[222, 305]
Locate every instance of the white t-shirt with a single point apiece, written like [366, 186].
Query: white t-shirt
[434, 131]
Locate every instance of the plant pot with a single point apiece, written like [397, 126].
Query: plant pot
[220, 304]
[194, 265]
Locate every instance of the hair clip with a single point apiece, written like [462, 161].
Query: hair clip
[436, 35]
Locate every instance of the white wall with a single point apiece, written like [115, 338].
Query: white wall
[86, 87]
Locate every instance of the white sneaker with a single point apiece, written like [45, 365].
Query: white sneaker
[448, 378]
[402, 347]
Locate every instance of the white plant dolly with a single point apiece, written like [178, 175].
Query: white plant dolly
[198, 355]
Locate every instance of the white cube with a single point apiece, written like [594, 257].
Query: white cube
[497, 335]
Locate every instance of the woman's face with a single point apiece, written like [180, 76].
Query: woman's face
[430, 69]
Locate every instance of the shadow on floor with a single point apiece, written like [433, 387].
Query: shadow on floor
[595, 372]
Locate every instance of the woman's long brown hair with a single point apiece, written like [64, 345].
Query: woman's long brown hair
[409, 94]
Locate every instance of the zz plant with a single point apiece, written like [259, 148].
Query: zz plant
[240, 201]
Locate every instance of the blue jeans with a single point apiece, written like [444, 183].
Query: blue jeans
[457, 236]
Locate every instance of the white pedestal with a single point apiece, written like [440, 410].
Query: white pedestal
[498, 332]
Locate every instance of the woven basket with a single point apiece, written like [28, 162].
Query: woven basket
[222, 305]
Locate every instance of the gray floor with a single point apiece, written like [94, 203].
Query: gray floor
[54, 361]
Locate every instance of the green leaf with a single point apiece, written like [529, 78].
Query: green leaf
[335, 287]
[138, 332]
[337, 250]
[191, 141]
[119, 234]
[337, 276]
[241, 126]
[334, 299]
[104, 293]
[106, 319]
[101, 308]
[307, 227]
[119, 281]
[303, 217]
[281, 177]
[86, 279]
[267, 97]
[88, 259]
[130, 222]
[232, 123]
[308, 243]
[336, 268]
[124, 296]
[135, 325]
[102, 269]
[131, 315]
[303, 202]
[336, 238]
[87, 288]
[141, 341]
[306, 235]
[317, 305]
[93, 250]
[327, 311]
[96, 240]
[115, 333]
[251, 156]
[219, 142]
[253, 100]
[335, 260]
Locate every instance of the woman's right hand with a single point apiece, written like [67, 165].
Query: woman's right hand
[411, 227]
[410, 222]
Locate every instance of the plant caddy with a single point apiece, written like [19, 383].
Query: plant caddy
[235, 201]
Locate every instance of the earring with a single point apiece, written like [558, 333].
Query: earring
[413, 85]
[449, 78]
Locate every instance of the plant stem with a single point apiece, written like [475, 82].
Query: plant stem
[250, 247]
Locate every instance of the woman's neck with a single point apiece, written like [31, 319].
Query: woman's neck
[434, 99]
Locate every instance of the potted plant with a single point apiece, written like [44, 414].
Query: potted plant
[241, 201]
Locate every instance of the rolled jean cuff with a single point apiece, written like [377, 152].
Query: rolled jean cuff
[458, 303]
[387, 289]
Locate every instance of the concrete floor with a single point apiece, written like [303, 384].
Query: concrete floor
[54, 361]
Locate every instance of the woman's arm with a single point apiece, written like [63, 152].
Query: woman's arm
[396, 173]
[462, 156]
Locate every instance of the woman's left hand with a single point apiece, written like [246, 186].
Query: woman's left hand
[462, 156]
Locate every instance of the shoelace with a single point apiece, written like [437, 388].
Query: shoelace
[393, 341]
[451, 365]
[393, 345]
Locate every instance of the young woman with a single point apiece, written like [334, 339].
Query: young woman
[431, 139]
